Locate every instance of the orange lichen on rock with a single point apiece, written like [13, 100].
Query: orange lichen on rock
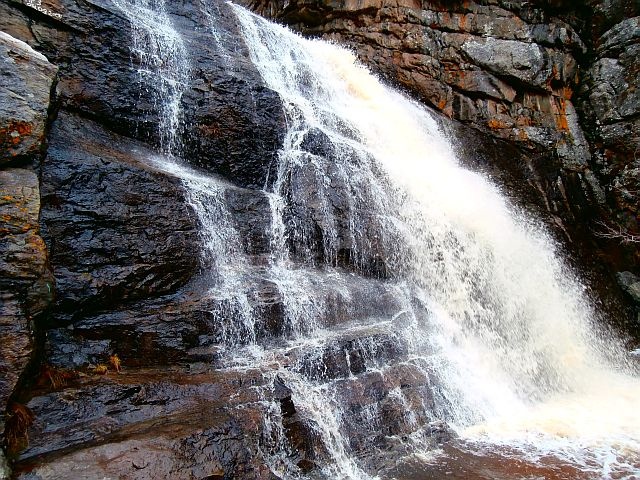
[562, 121]
[495, 124]
[18, 420]
[12, 134]
[522, 135]
[115, 362]
[101, 369]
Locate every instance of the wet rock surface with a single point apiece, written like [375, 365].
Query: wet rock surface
[25, 280]
[132, 380]
[117, 228]
[231, 123]
[26, 283]
[630, 284]
[149, 424]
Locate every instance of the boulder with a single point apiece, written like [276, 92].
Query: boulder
[25, 90]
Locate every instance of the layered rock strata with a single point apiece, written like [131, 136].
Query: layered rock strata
[131, 379]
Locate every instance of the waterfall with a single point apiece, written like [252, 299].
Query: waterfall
[393, 261]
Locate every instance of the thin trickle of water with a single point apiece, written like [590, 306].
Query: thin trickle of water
[159, 53]
[222, 257]
[212, 10]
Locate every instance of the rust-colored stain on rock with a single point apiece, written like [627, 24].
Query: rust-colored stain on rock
[13, 133]
[562, 122]
[495, 124]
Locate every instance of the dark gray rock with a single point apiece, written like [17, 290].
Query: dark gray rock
[251, 215]
[194, 325]
[382, 404]
[118, 229]
[522, 61]
[630, 284]
[231, 123]
[349, 353]
[610, 104]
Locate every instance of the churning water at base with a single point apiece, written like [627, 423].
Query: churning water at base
[484, 311]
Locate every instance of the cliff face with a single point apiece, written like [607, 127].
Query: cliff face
[99, 246]
[93, 234]
[557, 81]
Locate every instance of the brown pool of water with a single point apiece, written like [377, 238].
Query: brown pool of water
[457, 463]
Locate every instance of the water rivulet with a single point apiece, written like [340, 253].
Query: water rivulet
[410, 304]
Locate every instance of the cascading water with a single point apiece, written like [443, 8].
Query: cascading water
[162, 60]
[479, 309]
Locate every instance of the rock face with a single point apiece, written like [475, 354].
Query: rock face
[125, 256]
[504, 68]
[25, 281]
[610, 100]
[191, 428]
[630, 283]
[117, 229]
[98, 80]
[122, 235]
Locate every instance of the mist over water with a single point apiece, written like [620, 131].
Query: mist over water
[484, 303]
